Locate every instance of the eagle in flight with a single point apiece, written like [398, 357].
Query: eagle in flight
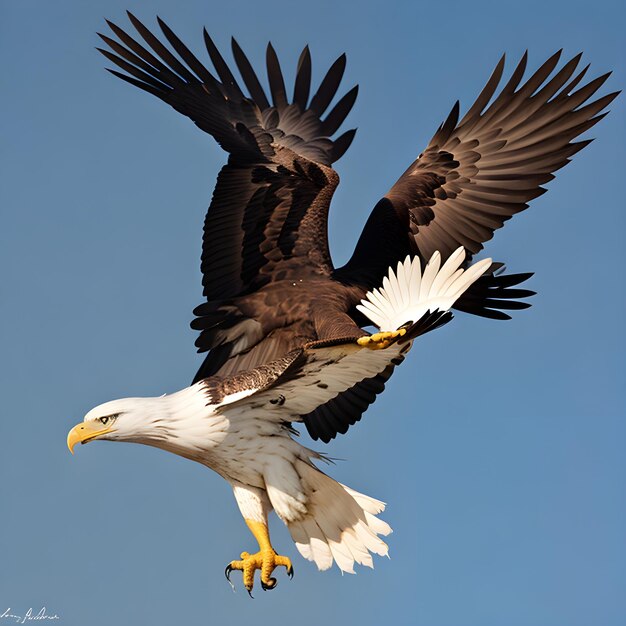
[281, 326]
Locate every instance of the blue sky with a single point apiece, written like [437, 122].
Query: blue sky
[499, 447]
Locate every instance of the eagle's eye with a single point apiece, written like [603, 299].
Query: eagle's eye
[107, 418]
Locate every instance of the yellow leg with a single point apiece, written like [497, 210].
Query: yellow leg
[265, 560]
[379, 341]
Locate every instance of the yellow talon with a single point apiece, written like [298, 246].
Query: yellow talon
[265, 560]
[381, 340]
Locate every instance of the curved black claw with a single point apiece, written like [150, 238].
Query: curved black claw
[272, 584]
[290, 572]
[227, 572]
[250, 593]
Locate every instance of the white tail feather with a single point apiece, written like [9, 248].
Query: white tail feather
[408, 293]
[340, 525]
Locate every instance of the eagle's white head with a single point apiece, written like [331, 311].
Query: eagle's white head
[172, 422]
[140, 420]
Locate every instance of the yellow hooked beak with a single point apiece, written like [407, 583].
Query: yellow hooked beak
[84, 432]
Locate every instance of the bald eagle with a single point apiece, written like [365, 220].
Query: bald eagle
[283, 328]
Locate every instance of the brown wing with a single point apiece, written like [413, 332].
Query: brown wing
[477, 173]
[268, 217]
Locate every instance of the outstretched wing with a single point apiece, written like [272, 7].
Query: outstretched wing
[477, 173]
[268, 217]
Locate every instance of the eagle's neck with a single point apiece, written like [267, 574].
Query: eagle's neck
[185, 423]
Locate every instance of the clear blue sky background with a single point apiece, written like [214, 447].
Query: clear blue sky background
[499, 447]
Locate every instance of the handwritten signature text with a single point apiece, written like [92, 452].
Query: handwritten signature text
[30, 615]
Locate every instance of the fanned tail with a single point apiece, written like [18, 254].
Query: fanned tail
[340, 524]
[408, 294]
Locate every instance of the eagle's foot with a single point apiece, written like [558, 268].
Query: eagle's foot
[265, 561]
[381, 340]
